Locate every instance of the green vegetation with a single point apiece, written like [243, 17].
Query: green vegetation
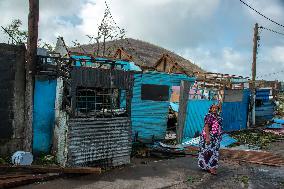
[192, 179]
[255, 137]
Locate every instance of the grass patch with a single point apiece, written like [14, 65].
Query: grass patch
[45, 160]
[243, 179]
[192, 179]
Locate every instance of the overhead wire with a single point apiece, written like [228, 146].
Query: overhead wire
[271, 30]
[261, 14]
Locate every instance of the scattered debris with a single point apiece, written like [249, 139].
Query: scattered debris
[165, 150]
[227, 141]
[14, 180]
[255, 137]
[246, 147]
[255, 157]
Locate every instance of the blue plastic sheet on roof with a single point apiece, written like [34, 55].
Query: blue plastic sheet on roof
[124, 65]
[174, 106]
[129, 66]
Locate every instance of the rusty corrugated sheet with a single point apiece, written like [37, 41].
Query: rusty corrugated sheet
[99, 141]
[255, 157]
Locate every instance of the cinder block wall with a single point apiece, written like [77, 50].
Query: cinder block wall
[12, 98]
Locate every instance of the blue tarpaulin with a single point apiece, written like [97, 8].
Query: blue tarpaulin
[227, 140]
[280, 121]
[275, 126]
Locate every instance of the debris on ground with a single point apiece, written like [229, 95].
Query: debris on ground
[162, 150]
[22, 158]
[227, 141]
[19, 179]
[255, 137]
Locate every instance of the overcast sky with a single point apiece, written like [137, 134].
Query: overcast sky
[214, 34]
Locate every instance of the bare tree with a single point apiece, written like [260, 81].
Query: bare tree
[15, 34]
[107, 31]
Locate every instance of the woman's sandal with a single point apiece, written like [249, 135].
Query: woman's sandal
[213, 171]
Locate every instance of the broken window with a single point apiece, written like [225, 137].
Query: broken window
[155, 92]
[97, 102]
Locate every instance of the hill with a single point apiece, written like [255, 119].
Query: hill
[143, 53]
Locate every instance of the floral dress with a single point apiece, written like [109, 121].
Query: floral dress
[209, 154]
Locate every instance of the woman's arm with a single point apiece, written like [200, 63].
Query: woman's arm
[207, 134]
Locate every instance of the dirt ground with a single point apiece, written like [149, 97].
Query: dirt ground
[174, 174]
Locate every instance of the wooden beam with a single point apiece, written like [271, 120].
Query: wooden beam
[183, 99]
[53, 169]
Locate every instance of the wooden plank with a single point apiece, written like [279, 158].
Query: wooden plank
[44, 169]
[28, 179]
[183, 99]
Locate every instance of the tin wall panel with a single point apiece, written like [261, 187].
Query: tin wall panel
[265, 111]
[99, 141]
[196, 111]
[149, 118]
[235, 114]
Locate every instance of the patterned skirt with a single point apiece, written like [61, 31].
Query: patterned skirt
[209, 154]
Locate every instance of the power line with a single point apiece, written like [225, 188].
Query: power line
[261, 14]
[270, 74]
[264, 28]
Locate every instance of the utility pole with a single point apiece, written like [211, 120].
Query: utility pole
[253, 70]
[31, 57]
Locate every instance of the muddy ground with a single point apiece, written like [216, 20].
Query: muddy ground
[175, 173]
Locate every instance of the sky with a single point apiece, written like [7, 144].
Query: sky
[214, 34]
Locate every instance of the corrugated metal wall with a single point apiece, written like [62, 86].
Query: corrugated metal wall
[99, 141]
[149, 118]
[265, 111]
[43, 115]
[196, 111]
[235, 114]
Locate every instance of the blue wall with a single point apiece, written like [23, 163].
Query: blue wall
[235, 114]
[43, 115]
[196, 111]
[149, 118]
[265, 112]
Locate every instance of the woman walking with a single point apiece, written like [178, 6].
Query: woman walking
[210, 140]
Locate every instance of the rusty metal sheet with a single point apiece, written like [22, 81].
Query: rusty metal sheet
[99, 141]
